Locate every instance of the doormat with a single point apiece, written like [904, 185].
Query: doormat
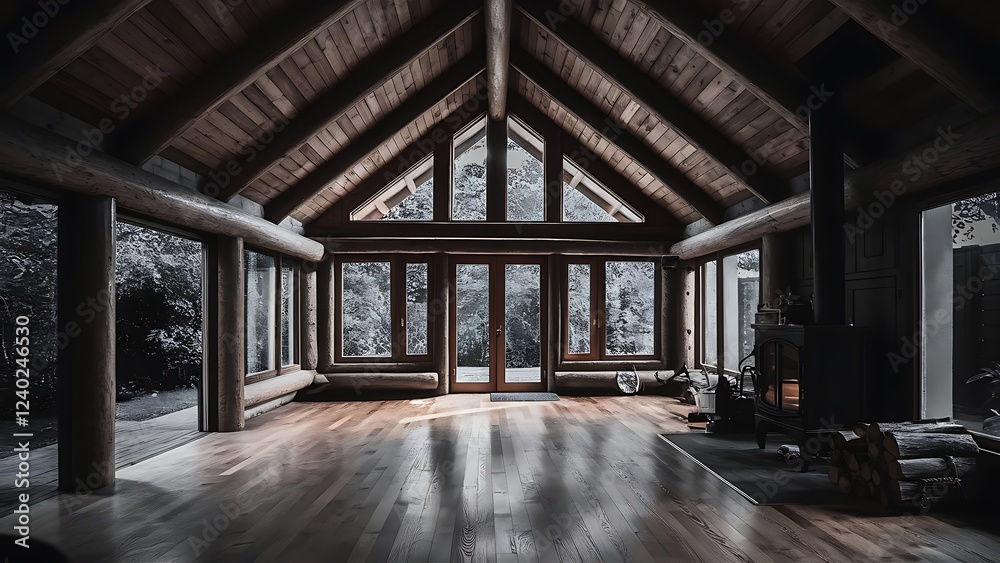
[500, 397]
[759, 475]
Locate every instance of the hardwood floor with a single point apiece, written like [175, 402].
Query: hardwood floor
[460, 478]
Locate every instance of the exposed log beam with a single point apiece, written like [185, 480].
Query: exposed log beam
[496, 246]
[604, 173]
[971, 150]
[578, 105]
[339, 214]
[414, 106]
[371, 74]
[619, 232]
[71, 31]
[942, 54]
[34, 154]
[144, 137]
[498, 14]
[648, 92]
[782, 92]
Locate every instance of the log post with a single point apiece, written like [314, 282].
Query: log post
[309, 352]
[554, 352]
[225, 338]
[682, 308]
[325, 328]
[439, 309]
[86, 358]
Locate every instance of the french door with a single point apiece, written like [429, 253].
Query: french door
[498, 324]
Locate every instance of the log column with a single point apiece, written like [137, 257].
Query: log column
[226, 340]
[325, 332]
[309, 352]
[682, 309]
[440, 280]
[86, 358]
[555, 289]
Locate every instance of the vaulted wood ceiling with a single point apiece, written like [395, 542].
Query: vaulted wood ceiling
[696, 89]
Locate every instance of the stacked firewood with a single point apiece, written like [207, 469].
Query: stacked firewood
[903, 464]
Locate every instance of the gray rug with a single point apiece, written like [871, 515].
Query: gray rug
[500, 397]
[758, 474]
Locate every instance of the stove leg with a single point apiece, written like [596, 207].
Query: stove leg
[761, 432]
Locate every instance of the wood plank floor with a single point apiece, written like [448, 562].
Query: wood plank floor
[135, 441]
[459, 478]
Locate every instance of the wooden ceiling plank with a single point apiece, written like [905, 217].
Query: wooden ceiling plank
[351, 92]
[79, 27]
[416, 105]
[782, 92]
[643, 89]
[585, 110]
[145, 137]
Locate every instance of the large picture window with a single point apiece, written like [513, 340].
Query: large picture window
[729, 292]
[612, 309]
[383, 309]
[261, 312]
[271, 315]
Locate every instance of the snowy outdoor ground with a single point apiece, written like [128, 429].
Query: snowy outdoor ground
[512, 375]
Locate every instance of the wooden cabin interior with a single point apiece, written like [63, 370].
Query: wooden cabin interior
[500, 280]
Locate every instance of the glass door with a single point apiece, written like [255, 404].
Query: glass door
[498, 324]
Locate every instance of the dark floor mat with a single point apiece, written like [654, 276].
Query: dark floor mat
[499, 397]
[759, 475]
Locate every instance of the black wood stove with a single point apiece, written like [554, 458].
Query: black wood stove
[810, 380]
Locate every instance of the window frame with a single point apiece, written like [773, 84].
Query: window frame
[279, 368]
[718, 257]
[598, 313]
[397, 314]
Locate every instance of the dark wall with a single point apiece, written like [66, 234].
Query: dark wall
[880, 293]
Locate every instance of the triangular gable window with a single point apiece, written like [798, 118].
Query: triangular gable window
[585, 200]
[409, 198]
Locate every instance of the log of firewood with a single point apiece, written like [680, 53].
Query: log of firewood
[876, 478]
[922, 427]
[852, 463]
[834, 474]
[902, 492]
[866, 471]
[846, 484]
[927, 468]
[905, 445]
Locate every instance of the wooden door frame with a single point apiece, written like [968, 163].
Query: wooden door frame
[496, 315]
